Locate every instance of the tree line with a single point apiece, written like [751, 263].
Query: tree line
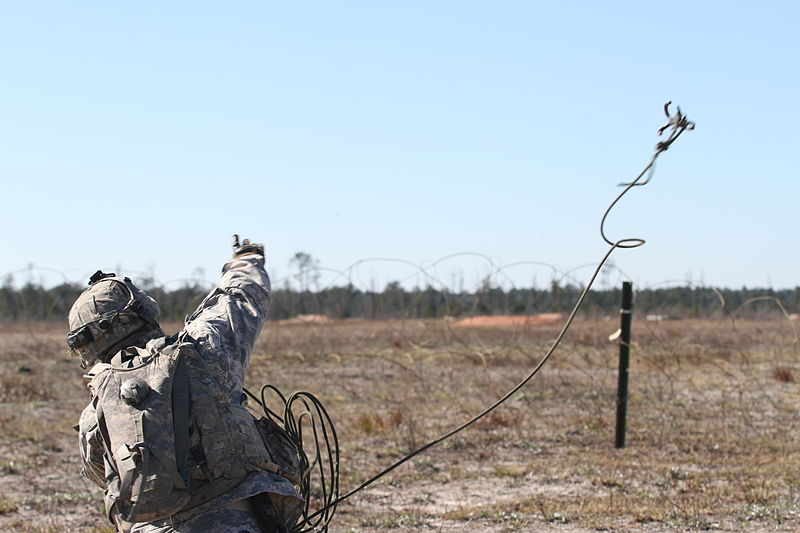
[32, 302]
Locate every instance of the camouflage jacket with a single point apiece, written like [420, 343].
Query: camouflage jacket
[224, 328]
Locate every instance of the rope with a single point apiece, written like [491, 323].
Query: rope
[318, 520]
[325, 465]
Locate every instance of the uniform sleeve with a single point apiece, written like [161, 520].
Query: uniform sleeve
[91, 446]
[226, 324]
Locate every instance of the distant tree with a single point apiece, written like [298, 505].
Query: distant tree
[31, 301]
[307, 275]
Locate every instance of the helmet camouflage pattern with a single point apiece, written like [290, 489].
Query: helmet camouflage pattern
[107, 315]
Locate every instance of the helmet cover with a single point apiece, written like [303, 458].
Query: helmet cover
[110, 311]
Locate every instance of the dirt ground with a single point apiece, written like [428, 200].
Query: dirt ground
[713, 439]
[541, 319]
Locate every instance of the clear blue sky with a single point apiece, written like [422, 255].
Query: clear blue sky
[141, 135]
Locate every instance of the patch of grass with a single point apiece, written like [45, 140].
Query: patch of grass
[7, 506]
[510, 471]
[16, 386]
[8, 467]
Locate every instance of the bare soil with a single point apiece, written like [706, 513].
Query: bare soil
[540, 319]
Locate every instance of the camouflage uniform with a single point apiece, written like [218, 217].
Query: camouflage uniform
[224, 329]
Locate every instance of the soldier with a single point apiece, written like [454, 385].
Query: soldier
[166, 434]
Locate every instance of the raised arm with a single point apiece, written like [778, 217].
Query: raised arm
[226, 324]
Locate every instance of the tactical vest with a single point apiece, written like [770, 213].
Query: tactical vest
[172, 438]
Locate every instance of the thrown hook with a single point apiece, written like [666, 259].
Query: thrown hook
[677, 122]
[672, 121]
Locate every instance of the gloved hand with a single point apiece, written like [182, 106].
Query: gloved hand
[246, 247]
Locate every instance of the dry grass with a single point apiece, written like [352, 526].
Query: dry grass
[713, 440]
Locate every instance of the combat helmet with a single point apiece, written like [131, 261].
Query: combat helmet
[110, 315]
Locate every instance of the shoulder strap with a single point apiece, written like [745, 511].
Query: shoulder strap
[180, 418]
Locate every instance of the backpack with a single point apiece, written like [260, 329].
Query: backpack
[145, 413]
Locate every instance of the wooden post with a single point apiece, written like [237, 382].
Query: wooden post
[624, 357]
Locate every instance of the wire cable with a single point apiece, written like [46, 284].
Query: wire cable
[319, 520]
